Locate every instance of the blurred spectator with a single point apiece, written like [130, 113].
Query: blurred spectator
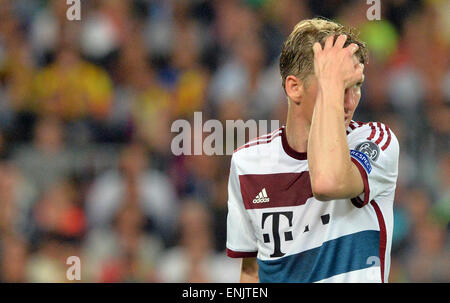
[71, 87]
[126, 253]
[190, 78]
[193, 259]
[244, 79]
[48, 263]
[17, 197]
[441, 209]
[13, 259]
[219, 208]
[18, 69]
[133, 183]
[57, 212]
[105, 28]
[149, 101]
[428, 260]
[46, 160]
[46, 29]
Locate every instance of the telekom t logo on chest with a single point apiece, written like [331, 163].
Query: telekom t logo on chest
[276, 231]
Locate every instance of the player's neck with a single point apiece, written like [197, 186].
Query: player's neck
[297, 131]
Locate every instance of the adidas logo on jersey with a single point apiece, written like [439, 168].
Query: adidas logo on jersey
[261, 197]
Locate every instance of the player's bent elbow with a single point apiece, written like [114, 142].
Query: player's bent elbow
[321, 193]
[322, 197]
[326, 189]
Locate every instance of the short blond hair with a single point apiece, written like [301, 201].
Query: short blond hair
[297, 56]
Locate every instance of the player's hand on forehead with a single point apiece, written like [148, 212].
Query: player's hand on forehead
[336, 62]
[337, 42]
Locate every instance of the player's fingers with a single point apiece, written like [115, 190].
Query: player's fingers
[340, 41]
[352, 48]
[317, 48]
[329, 42]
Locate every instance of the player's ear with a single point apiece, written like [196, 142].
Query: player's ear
[294, 89]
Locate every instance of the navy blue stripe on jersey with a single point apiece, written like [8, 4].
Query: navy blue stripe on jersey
[334, 257]
[362, 158]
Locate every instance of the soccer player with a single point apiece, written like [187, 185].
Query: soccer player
[313, 201]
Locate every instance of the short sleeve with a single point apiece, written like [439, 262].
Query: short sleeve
[374, 149]
[241, 239]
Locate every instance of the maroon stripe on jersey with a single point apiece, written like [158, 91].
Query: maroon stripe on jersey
[357, 201]
[372, 134]
[388, 141]
[353, 125]
[263, 137]
[383, 236]
[380, 138]
[258, 142]
[289, 150]
[266, 136]
[283, 189]
[241, 254]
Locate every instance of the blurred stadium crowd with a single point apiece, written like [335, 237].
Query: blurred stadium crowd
[86, 107]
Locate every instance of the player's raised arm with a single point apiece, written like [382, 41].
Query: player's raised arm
[339, 74]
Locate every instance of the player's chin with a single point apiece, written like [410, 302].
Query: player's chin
[347, 123]
[348, 120]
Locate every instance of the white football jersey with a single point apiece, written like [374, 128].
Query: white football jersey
[273, 215]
